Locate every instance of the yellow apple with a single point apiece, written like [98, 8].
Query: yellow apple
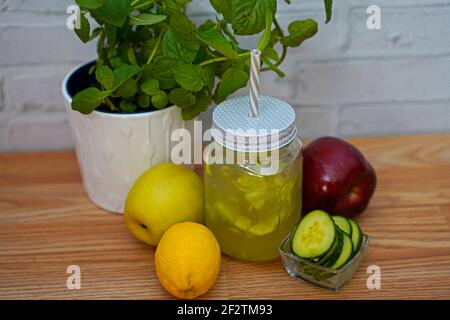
[163, 196]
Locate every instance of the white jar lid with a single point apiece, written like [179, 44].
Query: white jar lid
[273, 128]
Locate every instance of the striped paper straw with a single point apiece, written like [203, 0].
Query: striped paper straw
[254, 82]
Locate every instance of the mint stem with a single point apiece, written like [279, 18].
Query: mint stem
[155, 49]
[284, 48]
[111, 105]
[142, 5]
[220, 59]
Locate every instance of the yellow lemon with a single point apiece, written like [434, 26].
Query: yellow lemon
[164, 195]
[187, 260]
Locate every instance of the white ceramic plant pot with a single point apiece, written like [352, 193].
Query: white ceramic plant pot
[113, 150]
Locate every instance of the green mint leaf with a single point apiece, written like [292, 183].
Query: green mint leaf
[114, 12]
[127, 106]
[171, 48]
[184, 31]
[271, 54]
[299, 31]
[181, 25]
[131, 56]
[124, 73]
[202, 102]
[273, 67]
[216, 40]
[328, 10]
[189, 76]
[127, 89]
[150, 86]
[111, 52]
[231, 37]
[207, 25]
[146, 19]
[88, 100]
[147, 71]
[90, 4]
[160, 100]
[209, 76]
[202, 55]
[274, 37]
[223, 7]
[163, 71]
[182, 2]
[142, 4]
[95, 33]
[144, 101]
[116, 62]
[265, 40]
[181, 98]
[105, 76]
[172, 6]
[111, 35]
[249, 16]
[232, 80]
[84, 32]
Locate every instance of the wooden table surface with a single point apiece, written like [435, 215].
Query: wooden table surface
[47, 223]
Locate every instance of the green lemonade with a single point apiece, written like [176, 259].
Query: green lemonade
[249, 213]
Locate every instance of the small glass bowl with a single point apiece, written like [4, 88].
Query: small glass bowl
[331, 279]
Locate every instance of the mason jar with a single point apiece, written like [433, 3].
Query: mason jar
[253, 177]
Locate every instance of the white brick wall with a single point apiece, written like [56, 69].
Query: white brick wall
[346, 81]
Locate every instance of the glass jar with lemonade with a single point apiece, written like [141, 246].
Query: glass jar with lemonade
[253, 177]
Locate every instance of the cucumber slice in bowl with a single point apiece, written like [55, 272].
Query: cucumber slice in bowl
[334, 253]
[356, 235]
[346, 252]
[314, 235]
[343, 224]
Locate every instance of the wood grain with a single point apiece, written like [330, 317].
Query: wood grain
[47, 224]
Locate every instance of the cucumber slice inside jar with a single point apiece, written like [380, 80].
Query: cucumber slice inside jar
[314, 235]
[255, 226]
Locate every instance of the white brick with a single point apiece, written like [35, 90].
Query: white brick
[3, 140]
[396, 118]
[37, 89]
[39, 132]
[2, 93]
[405, 31]
[42, 45]
[314, 122]
[46, 6]
[366, 81]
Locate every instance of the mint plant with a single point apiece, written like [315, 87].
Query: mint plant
[151, 55]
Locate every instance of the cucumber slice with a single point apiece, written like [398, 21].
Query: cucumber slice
[356, 235]
[314, 236]
[291, 239]
[346, 252]
[333, 254]
[265, 224]
[343, 224]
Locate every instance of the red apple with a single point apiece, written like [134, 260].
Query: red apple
[336, 178]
